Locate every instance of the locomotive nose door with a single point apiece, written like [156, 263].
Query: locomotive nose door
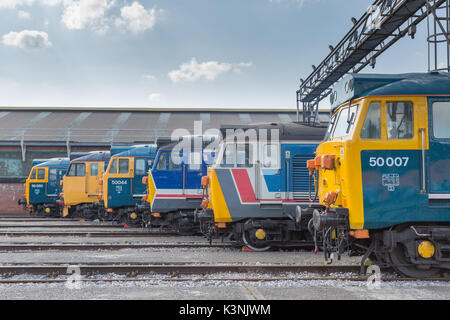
[53, 182]
[141, 166]
[439, 151]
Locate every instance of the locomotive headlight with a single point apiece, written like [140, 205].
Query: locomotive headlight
[426, 249]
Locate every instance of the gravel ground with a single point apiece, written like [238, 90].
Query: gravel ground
[178, 255]
[222, 290]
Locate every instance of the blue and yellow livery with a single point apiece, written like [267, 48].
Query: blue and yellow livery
[42, 187]
[384, 172]
[258, 179]
[123, 188]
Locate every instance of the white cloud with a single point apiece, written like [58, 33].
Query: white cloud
[80, 14]
[11, 4]
[14, 3]
[24, 15]
[192, 70]
[154, 97]
[136, 18]
[27, 39]
[149, 77]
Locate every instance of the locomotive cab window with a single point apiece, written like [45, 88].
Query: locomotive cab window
[124, 166]
[400, 123]
[77, 170]
[33, 175]
[41, 174]
[244, 155]
[172, 164]
[52, 174]
[372, 124]
[228, 155]
[441, 119]
[161, 165]
[140, 166]
[345, 122]
[94, 169]
[113, 166]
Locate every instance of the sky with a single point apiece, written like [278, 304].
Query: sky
[175, 53]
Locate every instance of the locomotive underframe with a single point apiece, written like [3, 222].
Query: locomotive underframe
[183, 222]
[395, 247]
[282, 232]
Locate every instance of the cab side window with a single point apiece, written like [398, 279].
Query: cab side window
[81, 169]
[33, 175]
[77, 170]
[372, 124]
[228, 157]
[244, 155]
[124, 165]
[140, 166]
[41, 174]
[441, 117]
[113, 167]
[173, 165]
[52, 174]
[400, 123]
[94, 169]
[162, 161]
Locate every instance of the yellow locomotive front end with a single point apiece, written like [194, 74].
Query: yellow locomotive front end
[377, 174]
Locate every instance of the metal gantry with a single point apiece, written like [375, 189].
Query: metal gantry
[439, 37]
[384, 23]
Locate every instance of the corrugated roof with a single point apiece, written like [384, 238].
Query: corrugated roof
[122, 125]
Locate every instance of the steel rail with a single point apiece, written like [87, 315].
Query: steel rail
[112, 246]
[85, 234]
[320, 272]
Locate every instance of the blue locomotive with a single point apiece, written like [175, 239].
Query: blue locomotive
[123, 188]
[42, 187]
[174, 182]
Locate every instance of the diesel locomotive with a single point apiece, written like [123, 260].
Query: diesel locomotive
[383, 173]
[122, 184]
[258, 179]
[42, 187]
[81, 188]
[174, 190]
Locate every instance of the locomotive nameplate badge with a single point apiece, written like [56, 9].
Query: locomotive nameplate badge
[288, 154]
[390, 180]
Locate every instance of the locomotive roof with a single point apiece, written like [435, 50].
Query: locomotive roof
[287, 130]
[144, 150]
[206, 140]
[54, 162]
[408, 84]
[95, 156]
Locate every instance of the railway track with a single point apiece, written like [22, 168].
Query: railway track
[62, 226]
[116, 246]
[182, 273]
[93, 234]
